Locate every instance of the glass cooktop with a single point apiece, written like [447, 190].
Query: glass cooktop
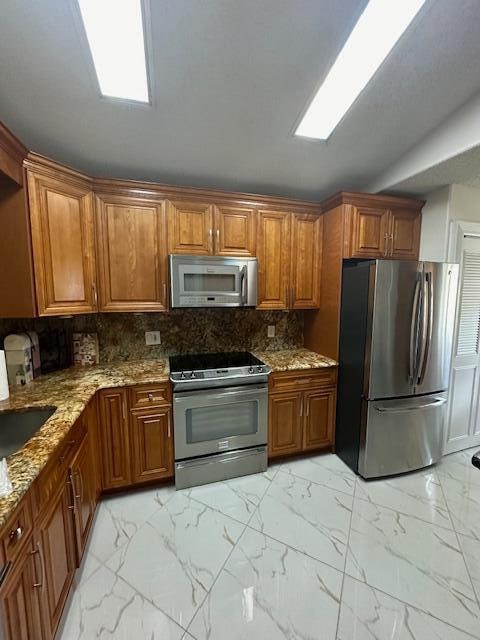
[222, 360]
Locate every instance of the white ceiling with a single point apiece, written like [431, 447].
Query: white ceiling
[231, 80]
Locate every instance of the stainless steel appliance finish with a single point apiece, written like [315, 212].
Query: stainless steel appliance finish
[221, 466]
[213, 281]
[220, 412]
[395, 347]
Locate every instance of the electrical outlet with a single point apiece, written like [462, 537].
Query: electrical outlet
[271, 331]
[152, 338]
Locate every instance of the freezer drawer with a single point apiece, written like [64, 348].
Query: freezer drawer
[401, 435]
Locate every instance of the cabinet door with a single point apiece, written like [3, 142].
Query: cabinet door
[273, 259]
[63, 242]
[20, 603]
[152, 440]
[235, 231]
[82, 478]
[132, 256]
[190, 228]
[114, 437]
[369, 232]
[404, 235]
[305, 261]
[285, 424]
[55, 543]
[319, 409]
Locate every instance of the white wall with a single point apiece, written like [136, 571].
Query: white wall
[435, 222]
[443, 206]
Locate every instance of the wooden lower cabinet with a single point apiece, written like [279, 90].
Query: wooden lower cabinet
[152, 443]
[55, 543]
[284, 424]
[300, 420]
[319, 418]
[84, 490]
[114, 437]
[20, 598]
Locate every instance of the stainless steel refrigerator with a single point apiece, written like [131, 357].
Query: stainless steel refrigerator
[396, 329]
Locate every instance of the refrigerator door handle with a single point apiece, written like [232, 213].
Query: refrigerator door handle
[427, 326]
[436, 403]
[414, 334]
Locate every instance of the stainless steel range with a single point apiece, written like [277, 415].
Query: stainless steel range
[220, 412]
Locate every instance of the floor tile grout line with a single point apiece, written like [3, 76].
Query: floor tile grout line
[229, 555]
[460, 547]
[216, 578]
[408, 515]
[412, 606]
[345, 560]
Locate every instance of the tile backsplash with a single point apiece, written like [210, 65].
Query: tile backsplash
[121, 336]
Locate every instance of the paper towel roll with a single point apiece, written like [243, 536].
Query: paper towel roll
[4, 392]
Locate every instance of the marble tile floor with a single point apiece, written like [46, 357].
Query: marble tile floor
[305, 551]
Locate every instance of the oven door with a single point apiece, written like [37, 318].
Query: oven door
[213, 420]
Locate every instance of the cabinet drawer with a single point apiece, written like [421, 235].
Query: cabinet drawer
[149, 396]
[18, 529]
[55, 471]
[302, 379]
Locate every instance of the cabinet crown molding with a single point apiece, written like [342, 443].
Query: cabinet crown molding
[371, 200]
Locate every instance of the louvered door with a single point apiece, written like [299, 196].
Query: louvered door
[463, 422]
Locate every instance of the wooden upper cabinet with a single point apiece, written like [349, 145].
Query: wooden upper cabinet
[190, 228]
[273, 252]
[404, 238]
[235, 231]
[63, 239]
[369, 232]
[305, 261]
[132, 253]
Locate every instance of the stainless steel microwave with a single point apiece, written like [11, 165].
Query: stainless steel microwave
[212, 281]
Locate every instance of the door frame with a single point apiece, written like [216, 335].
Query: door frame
[457, 231]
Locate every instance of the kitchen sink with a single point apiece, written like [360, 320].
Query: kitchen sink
[17, 427]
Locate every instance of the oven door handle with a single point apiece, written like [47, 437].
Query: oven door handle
[214, 394]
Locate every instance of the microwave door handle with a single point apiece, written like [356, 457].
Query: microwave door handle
[243, 285]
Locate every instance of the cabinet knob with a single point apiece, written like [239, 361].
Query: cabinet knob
[16, 534]
[150, 397]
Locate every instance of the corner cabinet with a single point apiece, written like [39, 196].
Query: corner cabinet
[380, 232]
[114, 438]
[289, 260]
[301, 411]
[63, 242]
[132, 253]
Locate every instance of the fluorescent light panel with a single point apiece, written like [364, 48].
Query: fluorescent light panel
[115, 35]
[373, 37]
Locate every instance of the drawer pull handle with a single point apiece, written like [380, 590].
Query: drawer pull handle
[16, 534]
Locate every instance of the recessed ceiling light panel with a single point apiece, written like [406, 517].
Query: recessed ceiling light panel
[373, 37]
[115, 35]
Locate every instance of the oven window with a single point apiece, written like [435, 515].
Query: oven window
[221, 421]
[209, 282]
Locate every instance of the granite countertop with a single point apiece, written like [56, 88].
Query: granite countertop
[294, 359]
[69, 391]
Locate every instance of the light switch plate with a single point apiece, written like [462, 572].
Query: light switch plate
[271, 331]
[152, 338]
